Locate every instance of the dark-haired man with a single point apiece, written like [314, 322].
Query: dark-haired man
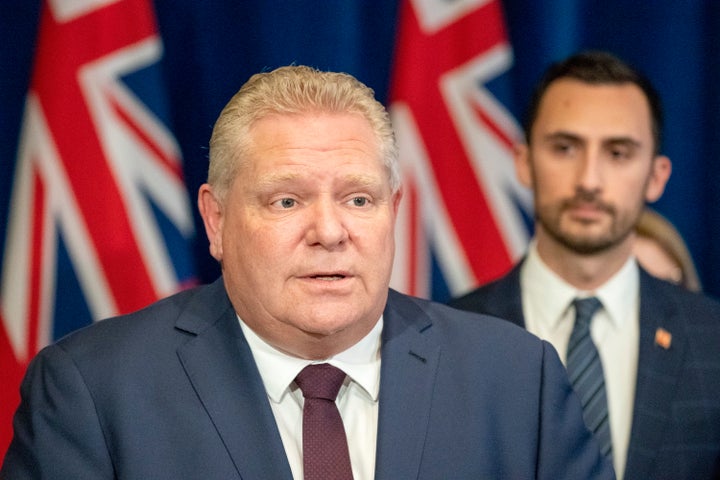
[643, 355]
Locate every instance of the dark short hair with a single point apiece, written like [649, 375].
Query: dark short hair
[597, 68]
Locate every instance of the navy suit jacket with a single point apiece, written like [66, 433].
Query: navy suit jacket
[173, 392]
[676, 417]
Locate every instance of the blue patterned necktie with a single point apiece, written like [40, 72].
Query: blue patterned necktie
[325, 448]
[586, 373]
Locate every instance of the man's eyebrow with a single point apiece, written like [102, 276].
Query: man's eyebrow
[273, 178]
[568, 136]
[562, 135]
[362, 180]
[276, 178]
[627, 141]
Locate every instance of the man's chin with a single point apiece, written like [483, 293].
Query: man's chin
[326, 323]
[589, 246]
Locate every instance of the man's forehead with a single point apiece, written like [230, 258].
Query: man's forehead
[566, 93]
[611, 111]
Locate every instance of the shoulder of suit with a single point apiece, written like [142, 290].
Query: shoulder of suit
[458, 320]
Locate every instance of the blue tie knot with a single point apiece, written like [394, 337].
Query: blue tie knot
[585, 308]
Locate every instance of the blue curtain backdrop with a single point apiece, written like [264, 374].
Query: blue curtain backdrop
[213, 46]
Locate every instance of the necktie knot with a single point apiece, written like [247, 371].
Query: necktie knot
[585, 309]
[320, 381]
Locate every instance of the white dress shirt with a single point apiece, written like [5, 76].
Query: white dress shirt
[615, 329]
[357, 399]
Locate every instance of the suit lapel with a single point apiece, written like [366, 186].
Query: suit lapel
[220, 366]
[509, 306]
[659, 365]
[409, 364]
[500, 298]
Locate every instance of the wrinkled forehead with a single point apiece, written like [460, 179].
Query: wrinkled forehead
[342, 136]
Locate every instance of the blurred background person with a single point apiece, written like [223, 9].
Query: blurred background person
[661, 250]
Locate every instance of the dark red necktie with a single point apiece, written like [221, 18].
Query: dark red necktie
[325, 449]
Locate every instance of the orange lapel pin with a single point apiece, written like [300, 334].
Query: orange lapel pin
[663, 338]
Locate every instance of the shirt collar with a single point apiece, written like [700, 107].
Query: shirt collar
[549, 293]
[618, 295]
[278, 370]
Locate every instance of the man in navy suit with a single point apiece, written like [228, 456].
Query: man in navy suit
[300, 207]
[592, 158]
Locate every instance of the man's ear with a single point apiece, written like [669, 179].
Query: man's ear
[521, 153]
[212, 215]
[659, 176]
[397, 196]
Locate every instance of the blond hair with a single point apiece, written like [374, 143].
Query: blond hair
[657, 228]
[293, 90]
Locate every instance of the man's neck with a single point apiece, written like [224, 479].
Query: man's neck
[585, 272]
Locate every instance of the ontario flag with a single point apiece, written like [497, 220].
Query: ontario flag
[99, 217]
[464, 217]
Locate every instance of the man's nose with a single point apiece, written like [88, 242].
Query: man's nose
[327, 224]
[589, 176]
